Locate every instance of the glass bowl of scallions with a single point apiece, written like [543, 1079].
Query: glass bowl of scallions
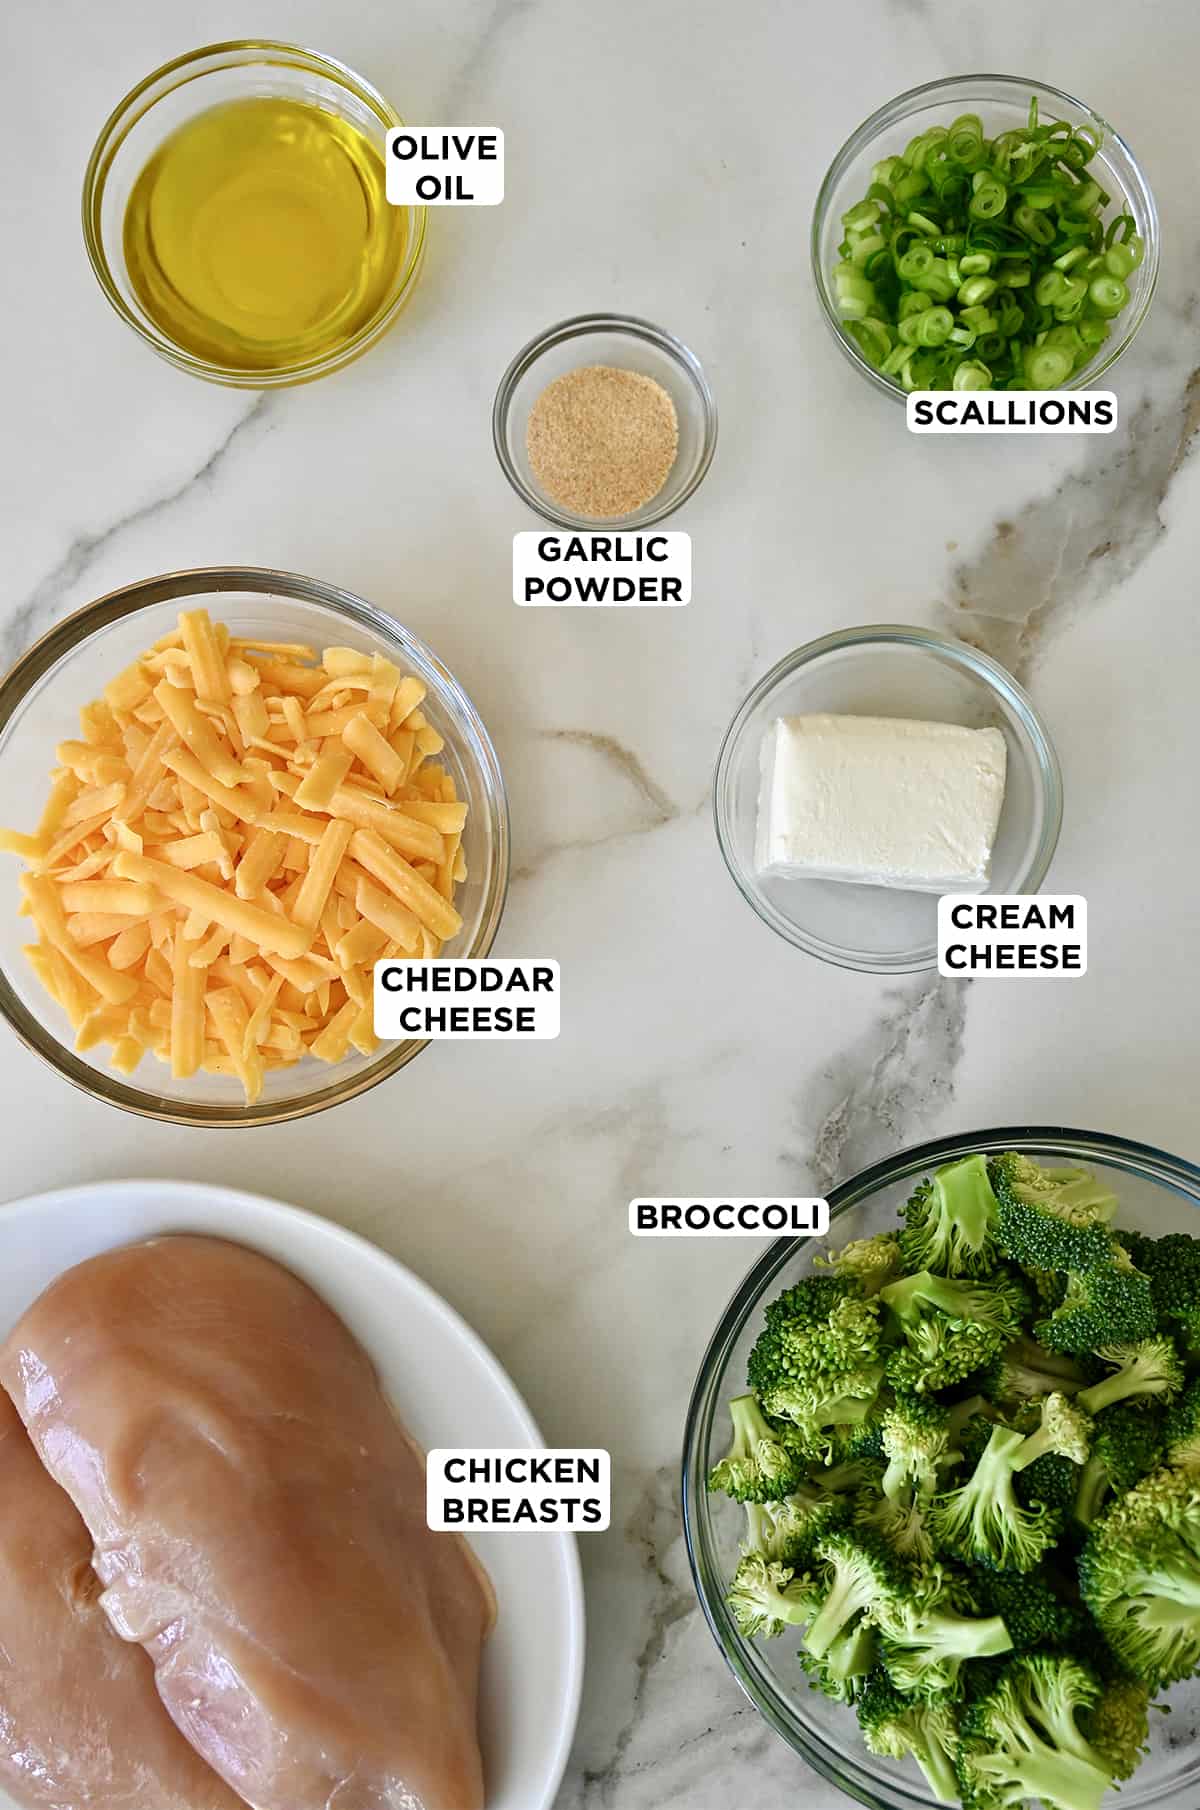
[985, 232]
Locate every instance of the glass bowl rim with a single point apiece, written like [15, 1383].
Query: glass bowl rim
[574, 327]
[1146, 1161]
[71, 634]
[111, 136]
[903, 106]
[981, 666]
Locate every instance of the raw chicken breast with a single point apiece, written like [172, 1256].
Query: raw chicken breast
[81, 1726]
[259, 1521]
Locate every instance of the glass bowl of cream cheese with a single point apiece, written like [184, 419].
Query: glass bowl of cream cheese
[884, 678]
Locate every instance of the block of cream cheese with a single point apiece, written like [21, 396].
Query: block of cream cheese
[880, 801]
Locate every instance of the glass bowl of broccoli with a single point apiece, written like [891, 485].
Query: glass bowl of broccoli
[941, 1478]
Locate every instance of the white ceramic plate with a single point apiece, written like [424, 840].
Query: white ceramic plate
[447, 1386]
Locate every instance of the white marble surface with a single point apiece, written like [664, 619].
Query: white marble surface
[662, 158]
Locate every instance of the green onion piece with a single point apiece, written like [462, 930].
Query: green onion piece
[1087, 196]
[1118, 262]
[938, 281]
[933, 327]
[855, 295]
[975, 264]
[925, 225]
[1049, 287]
[964, 141]
[1108, 295]
[990, 198]
[1072, 298]
[873, 339]
[1036, 226]
[972, 375]
[1047, 367]
[914, 302]
[887, 171]
[916, 262]
[859, 218]
[1070, 258]
[866, 247]
[906, 188]
[976, 290]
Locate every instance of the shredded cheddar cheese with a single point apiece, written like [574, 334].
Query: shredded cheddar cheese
[243, 829]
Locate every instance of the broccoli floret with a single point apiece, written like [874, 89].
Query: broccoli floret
[904, 1525]
[767, 1598]
[916, 1440]
[855, 1440]
[1173, 1266]
[870, 1262]
[1151, 1367]
[1127, 1443]
[983, 1522]
[1119, 1725]
[950, 1222]
[758, 1467]
[1137, 1244]
[1181, 1431]
[1031, 1608]
[1048, 1286]
[1025, 1370]
[1054, 1480]
[1140, 1577]
[1052, 1219]
[840, 1675]
[1065, 1431]
[972, 1437]
[925, 1641]
[949, 1328]
[786, 1532]
[1100, 1307]
[818, 1362]
[848, 1476]
[895, 1727]
[859, 1569]
[1022, 1738]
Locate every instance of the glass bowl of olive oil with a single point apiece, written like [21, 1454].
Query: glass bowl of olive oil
[235, 215]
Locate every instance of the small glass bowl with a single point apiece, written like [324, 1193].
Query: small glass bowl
[628, 344]
[1158, 1194]
[39, 707]
[891, 671]
[163, 102]
[1001, 101]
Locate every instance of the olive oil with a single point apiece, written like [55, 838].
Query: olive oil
[259, 235]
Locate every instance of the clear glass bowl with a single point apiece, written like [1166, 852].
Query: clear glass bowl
[1158, 1194]
[885, 670]
[628, 344]
[39, 707]
[177, 92]
[1001, 101]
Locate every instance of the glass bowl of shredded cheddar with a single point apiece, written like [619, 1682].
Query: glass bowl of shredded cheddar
[226, 794]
